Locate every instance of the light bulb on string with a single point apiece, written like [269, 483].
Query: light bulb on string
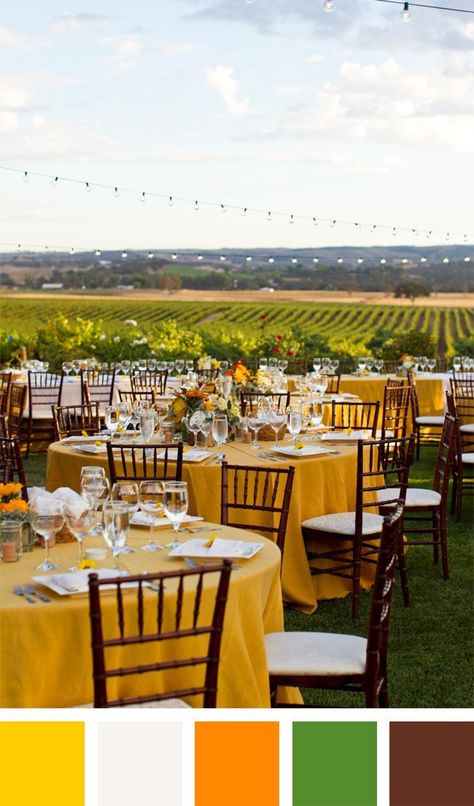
[292, 219]
[271, 260]
[71, 251]
[446, 260]
[223, 257]
[315, 222]
[328, 5]
[19, 248]
[415, 232]
[26, 178]
[356, 225]
[199, 257]
[97, 253]
[394, 231]
[373, 227]
[244, 211]
[174, 256]
[467, 259]
[405, 14]
[87, 187]
[143, 197]
[428, 234]
[269, 216]
[423, 259]
[170, 201]
[465, 238]
[223, 208]
[116, 192]
[447, 236]
[332, 223]
[248, 259]
[124, 255]
[150, 255]
[315, 259]
[340, 260]
[55, 181]
[383, 261]
[360, 260]
[196, 206]
[294, 260]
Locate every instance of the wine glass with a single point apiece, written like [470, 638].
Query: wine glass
[47, 518]
[206, 426]
[226, 385]
[76, 364]
[179, 366]
[272, 363]
[334, 365]
[142, 364]
[150, 498]
[112, 418]
[67, 367]
[378, 363]
[276, 421]
[193, 422]
[116, 523]
[147, 423]
[175, 502]
[423, 363]
[361, 364]
[95, 486]
[220, 429]
[317, 364]
[369, 363]
[151, 364]
[190, 365]
[80, 520]
[125, 366]
[255, 424]
[127, 492]
[263, 363]
[457, 363]
[432, 364]
[223, 366]
[283, 365]
[124, 415]
[294, 423]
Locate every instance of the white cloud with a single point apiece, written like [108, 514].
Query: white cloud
[177, 48]
[315, 58]
[12, 96]
[13, 40]
[125, 50]
[221, 79]
[67, 23]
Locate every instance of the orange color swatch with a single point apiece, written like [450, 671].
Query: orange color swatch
[237, 763]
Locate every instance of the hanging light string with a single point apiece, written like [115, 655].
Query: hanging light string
[231, 257]
[196, 204]
[427, 5]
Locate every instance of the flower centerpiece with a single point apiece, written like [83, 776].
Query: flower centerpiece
[224, 405]
[13, 513]
[187, 400]
[407, 362]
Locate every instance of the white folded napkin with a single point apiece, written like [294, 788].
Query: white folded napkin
[143, 519]
[69, 498]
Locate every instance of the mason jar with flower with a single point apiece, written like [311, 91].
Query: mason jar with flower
[13, 514]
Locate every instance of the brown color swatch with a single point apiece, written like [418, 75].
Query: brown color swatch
[431, 764]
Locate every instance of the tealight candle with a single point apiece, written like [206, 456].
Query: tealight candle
[9, 552]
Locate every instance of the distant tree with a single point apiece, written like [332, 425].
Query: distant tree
[411, 289]
[170, 282]
[6, 280]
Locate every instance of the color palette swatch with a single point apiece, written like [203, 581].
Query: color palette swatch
[237, 764]
[41, 763]
[334, 764]
[431, 764]
[140, 762]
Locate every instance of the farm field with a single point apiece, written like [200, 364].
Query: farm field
[348, 320]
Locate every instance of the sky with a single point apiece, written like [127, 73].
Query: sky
[273, 105]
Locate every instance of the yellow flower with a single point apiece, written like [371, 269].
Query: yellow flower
[84, 564]
[9, 490]
[16, 505]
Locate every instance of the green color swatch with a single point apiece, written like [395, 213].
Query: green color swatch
[334, 764]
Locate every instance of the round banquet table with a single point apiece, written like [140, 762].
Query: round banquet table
[322, 485]
[45, 655]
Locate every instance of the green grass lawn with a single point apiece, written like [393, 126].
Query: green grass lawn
[431, 642]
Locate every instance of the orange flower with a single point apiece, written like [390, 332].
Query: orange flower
[208, 405]
[16, 505]
[10, 490]
[195, 393]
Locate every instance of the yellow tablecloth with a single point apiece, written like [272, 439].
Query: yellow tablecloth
[430, 391]
[322, 485]
[45, 655]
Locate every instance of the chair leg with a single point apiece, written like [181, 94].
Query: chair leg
[441, 519]
[459, 494]
[402, 567]
[454, 490]
[356, 581]
[418, 438]
[436, 536]
[383, 696]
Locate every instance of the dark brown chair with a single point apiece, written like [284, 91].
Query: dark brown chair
[44, 391]
[147, 395]
[266, 491]
[71, 421]
[462, 383]
[249, 401]
[16, 409]
[396, 410]
[3, 426]
[462, 409]
[433, 422]
[344, 662]
[148, 380]
[98, 386]
[355, 415]
[176, 640]
[140, 462]
[390, 367]
[381, 465]
[432, 502]
[11, 465]
[334, 382]
[5, 384]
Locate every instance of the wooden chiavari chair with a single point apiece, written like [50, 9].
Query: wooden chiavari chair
[249, 401]
[5, 384]
[462, 409]
[16, 409]
[98, 386]
[355, 415]
[44, 391]
[145, 461]
[462, 383]
[433, 422]
[147, 380]
[11, 465]
[266, 491]
[396, 409]
[179, 636]
[344, 662]
[381, 465]
[334, 382]
[148, 396]
[390, 367]
[3, 426]
[71, 421]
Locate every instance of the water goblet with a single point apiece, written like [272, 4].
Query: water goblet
[116, 523]
[193, 422]
[457, 363]
[179, 366]
[275, 422]
[190, 365]
[432, 364]
[334, 365]
[294, 423]
[175, 503]
[317, 364]
[283, 365]
[95, 487]
[272, 363]
[378, 363]
[220, 429]
[423, 363]
[263, 363]
[361, 364]
[147, 423]
[151, 364]
[223, 366]
[67, 367]
[127, 492]
[369, 363]
[254, 425]
[80, 520]
[125, 366]
[112, 418]
[150, 498]
[47, 518]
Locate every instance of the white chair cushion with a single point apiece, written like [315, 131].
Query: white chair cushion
[430, 419]
[467, 429]
[343, 523]
[467, 458]
[416, 497]
[315, 653]
[161, 704]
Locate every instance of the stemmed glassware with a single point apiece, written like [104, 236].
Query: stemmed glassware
[112, 418]
[423, 361]
[361, 364]
[116, 523]
[263, 363]
[125, 367]
[150, 498]
[255, 424]
[317, 364]
[432, 364]
[126, 492]
[175, 503]
[67, 367]
[220, 429]
[179, 366]
[275, 422]
[147, 423]
[95, 486]
[206, 426]
[80, 521]
[223, 366]
[294, 423]
[47, 518]
[334, 365]
[378, 363]
[193, 422]
[457, 363]
[124, 415]
[190, 365]
[283, 365]
[369, 363]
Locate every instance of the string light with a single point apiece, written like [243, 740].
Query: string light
[423, 260]
[150, 255]
[383, 261]
[199, 257]
[174, 256]
[223, 257]
[360, 260]
[97, 253]
[271, 260]
[292, 219]
[331, 222]
[340, 260]
[124, 255]
[55, 181]
[315, 259]
[196, 206]
[87, 187]
[328, 5]
[446, 260]
[467, 259]
[406, 14]
[248, 259]
[406, 8]
[143, 196]
[294, 260]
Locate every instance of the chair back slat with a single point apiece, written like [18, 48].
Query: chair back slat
[11, 464]
[396, 407]
[120, 616]
[98, 386]
[149, 381]
[44, 389]
[166, 657]
[5, 385]
[16, 409]
[355, 415]
[140, 462]
[73, 420]
[249, 401]
[334, 382]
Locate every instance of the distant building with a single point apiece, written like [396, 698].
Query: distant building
[267, 288]
[52, 286]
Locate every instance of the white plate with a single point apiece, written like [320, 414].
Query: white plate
[221, 549]
[307, 450]
[341, 436]
[91, 448]
[190, 455]
[143, 519]
[74, 582]
[92, 438]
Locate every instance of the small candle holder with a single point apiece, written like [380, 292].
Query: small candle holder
[11, 541]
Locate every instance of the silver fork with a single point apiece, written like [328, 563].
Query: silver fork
[18, 591]
[33, 592]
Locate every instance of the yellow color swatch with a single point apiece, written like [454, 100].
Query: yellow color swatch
[42, 763]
